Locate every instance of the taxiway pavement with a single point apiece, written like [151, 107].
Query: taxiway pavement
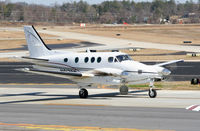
[104, 108]
[67, 94]
[127, 118]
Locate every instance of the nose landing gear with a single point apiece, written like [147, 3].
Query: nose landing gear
[152, 92]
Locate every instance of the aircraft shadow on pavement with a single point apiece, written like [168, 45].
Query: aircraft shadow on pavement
[62, 97]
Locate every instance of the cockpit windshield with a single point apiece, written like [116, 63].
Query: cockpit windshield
[123, 58]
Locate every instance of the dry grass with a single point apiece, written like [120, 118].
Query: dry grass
[10, 44]
[9, 60]
[18, 34]
[155, 54]
[168, 34]
[175, 85]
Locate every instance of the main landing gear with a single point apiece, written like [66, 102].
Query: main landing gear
[123, 90]
[83, 93]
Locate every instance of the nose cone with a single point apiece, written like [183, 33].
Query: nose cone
[165, 72]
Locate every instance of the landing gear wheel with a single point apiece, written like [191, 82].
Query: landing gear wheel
[83, 93]
[152, 93]
[123, 90]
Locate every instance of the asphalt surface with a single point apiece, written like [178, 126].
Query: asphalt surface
[183, 71]
[9, 74]
[101, 116]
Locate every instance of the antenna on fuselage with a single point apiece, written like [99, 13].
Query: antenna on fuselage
[88, 50]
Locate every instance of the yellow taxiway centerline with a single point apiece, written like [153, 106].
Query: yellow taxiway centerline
[72, 128]
[37, 84]
[74, 104]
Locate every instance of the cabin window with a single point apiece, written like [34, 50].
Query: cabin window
[98, 59]
[110, 59]
[76, 60]
[66, 60]
[92, 60]
[86, 59]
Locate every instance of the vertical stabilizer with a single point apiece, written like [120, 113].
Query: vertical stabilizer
[36, 45]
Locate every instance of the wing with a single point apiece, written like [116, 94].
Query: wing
[57, 72]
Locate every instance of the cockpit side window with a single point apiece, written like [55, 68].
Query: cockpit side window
[115, 60]
[123, 58]
[110, 59]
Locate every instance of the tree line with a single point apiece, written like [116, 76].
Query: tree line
[106, 12]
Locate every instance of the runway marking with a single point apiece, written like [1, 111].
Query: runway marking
[74, 104]
[193, 108]
[73, 128]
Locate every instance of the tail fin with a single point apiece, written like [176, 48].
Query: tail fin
[36, 45]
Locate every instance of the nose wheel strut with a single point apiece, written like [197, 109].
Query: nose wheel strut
[152, 92]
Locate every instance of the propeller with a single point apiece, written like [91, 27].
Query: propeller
[168, 71]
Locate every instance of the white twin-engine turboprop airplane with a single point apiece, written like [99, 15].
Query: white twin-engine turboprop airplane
[91, 68]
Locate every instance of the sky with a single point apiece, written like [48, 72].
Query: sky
[52, 2]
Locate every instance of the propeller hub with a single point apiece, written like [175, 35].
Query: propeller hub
[165, 72]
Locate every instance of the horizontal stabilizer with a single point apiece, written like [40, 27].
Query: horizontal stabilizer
[56, 73]
[37, 59]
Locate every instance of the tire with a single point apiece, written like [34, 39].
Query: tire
[83, 93]
[152, 93]
[194, 81]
